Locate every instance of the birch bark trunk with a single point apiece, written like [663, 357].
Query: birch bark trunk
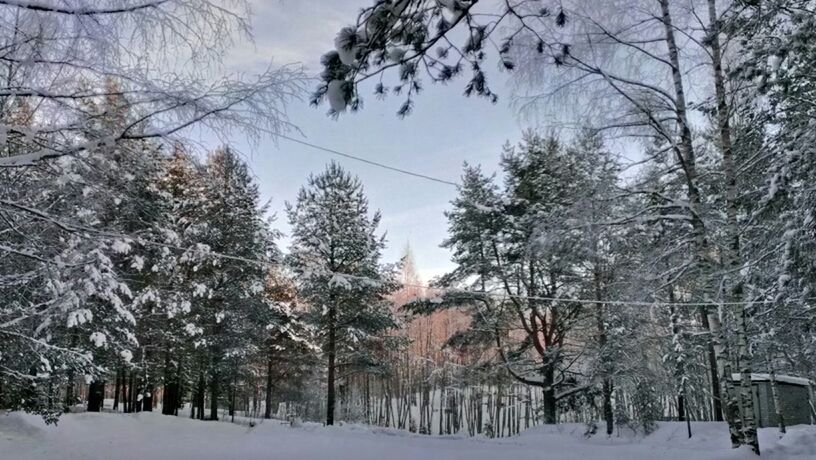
[687, 160]
[733, 256]
[775, 394]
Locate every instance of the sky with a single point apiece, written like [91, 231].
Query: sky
[444, 130]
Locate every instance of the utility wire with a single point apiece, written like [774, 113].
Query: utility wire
[367, 161]
[490, 294]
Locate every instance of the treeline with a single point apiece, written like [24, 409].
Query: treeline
[186, 293]
[124, 261]
[178, 291]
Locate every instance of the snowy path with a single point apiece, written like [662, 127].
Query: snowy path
[152, 436]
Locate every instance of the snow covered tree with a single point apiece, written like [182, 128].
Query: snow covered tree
[602, 249]
[84, 109]
[287, 346]
[230, 304]
[335, 256]
[91, 207]
[776, 111]
[534, 244]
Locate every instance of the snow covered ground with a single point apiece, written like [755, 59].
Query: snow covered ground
[149, 436]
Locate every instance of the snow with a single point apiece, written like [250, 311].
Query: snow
[483, 208]
[346, 45]
[774, 61]
[93, 436]
[199, 290]
[396, 54]
[45, 364]
[99, 339]
[78, 317]
[192, 330]
[340, 281]
[336, 95]
[138, 263]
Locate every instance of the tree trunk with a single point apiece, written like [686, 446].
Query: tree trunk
[116, 388]
[214, 394]
[179, 393]
[136, 392]
[729, 392]
[125, 391]
[232, 398]
[716, 396]
[170, 395]
[170, 386]
[169, 398]
[200, 395]
[548, 397]
[132, 393]
[268, 405]
[367, 401]
[609, 416]
[775, 394]
[96, 396]
[749, 427]
[678, 356]
[147, 398]
[733, 259]
[606, 388]
[330, 351]
[69, 393]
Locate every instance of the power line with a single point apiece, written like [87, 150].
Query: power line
[367, 161]
[59, 222]
[268, 263]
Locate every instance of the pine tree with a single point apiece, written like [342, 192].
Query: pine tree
[231, 303]
[335, 257]
[534, 240]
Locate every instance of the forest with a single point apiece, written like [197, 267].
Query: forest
[643, 253]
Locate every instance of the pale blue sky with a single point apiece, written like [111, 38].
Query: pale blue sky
[444, 130]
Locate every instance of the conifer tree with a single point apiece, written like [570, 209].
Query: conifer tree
[231, 302]
[335, 257]
[520, 246]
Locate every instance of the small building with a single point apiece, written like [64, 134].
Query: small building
[795, 396]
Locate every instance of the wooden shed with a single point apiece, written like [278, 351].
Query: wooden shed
[796, 398]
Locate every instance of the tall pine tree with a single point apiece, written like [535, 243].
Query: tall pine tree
[335, 255]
